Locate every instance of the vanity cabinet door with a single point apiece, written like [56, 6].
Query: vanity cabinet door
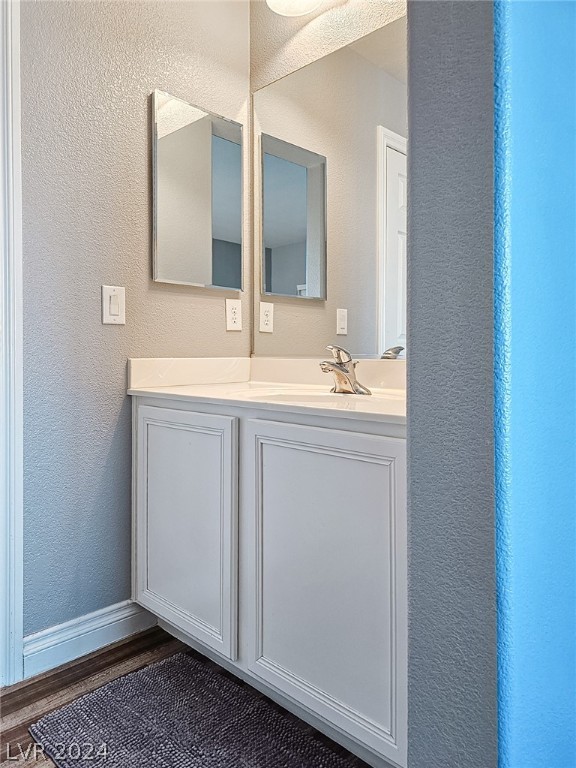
[326, 532]
[186, 522]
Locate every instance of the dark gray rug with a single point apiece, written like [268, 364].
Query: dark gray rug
[179, 713]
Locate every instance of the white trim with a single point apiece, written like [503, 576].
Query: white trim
[385, 139]
[11, 397]
[65, 642]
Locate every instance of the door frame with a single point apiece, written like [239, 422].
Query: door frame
[11, 352]
[386, 139]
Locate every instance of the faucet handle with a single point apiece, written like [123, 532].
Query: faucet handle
[339, 354]
[392, 353]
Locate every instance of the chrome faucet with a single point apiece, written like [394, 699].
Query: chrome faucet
[392, 353]
[344, 371]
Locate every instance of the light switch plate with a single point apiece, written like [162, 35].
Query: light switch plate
[266, 317]
[113, 305]
[233, 315]
[341, 322]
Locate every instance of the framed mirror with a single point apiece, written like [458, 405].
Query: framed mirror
[345, 113]
[293, 220]
[197, 196]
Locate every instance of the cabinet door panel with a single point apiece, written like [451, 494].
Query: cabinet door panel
[186, 522]
[328, 543]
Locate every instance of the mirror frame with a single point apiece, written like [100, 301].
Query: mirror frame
[154, 142]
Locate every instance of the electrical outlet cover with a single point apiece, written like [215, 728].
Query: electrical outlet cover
[266, 317]
[233, 315]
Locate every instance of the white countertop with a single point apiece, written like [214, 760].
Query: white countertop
[387, 404]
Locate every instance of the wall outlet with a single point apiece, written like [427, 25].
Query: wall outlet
[266, 317]
[341, 322]
[113, 305]
[233, 315]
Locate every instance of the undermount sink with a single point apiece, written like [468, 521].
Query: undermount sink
[297, 397]
[315, 397]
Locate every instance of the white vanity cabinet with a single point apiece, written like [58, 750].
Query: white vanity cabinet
[276, 543]
[324, 525]
[186, 522]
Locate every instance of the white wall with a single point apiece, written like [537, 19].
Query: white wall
[333, 107]
[88, 69]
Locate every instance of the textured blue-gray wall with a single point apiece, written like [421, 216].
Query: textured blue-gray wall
[87, 71]
[452, 629]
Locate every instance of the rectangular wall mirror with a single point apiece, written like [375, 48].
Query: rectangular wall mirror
[342, 117]
[293, 220]
[197, 196]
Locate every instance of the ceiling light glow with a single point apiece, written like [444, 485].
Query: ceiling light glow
[293, 7]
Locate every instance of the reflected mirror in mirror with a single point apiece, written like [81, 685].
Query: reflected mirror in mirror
[293, 220]
[197, 170]
[349, 107]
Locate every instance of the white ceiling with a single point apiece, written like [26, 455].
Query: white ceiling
[387, 49]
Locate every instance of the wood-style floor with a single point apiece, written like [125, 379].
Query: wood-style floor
[26, 702]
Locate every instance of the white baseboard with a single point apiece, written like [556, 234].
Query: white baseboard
[65, 642]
